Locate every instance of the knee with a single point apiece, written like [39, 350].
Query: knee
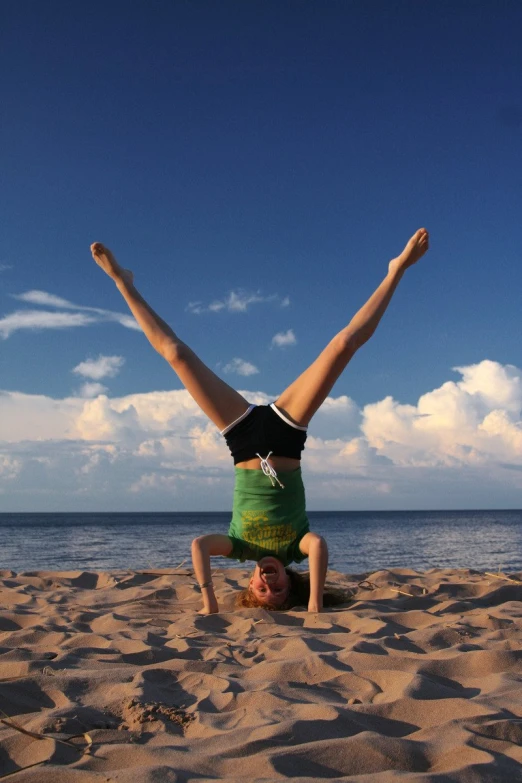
[317, 540]
[197, 546]
[175, 352]
[347, 343]
[317, 543]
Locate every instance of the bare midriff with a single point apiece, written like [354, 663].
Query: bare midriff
[278, 463]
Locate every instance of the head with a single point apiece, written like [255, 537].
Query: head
[270, 583]
[276, 588]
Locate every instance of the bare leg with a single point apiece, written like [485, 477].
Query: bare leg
[306, 394]
[219, 401]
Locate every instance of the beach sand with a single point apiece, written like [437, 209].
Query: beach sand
[419, 687]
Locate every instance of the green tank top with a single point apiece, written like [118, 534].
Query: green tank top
[266, 519]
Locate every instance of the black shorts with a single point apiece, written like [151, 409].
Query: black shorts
[263, 429]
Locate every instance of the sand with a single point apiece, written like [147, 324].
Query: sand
[419, 687]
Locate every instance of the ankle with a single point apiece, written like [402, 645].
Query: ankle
[123, 280]
[396, 268]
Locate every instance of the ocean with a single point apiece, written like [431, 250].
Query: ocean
[359, 541]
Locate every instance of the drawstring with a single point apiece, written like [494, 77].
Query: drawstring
[268, 470]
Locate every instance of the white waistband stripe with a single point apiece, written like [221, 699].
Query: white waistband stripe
[243, 416]
[285, 418]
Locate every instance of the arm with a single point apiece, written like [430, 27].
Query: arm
[317, 550]
[202, 549]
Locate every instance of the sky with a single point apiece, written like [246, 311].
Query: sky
[257, 164]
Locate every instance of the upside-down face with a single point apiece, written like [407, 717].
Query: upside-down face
[270, 583]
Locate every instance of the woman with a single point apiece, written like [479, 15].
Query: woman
[269, 522]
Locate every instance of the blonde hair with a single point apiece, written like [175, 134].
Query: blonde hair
[298, 595]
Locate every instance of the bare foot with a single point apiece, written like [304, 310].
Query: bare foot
[415, 249]
[105, 259]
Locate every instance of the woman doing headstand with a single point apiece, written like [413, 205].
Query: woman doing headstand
[269, 523]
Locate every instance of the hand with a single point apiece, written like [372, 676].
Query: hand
[313, 607]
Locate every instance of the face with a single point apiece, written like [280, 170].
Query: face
[270, 583]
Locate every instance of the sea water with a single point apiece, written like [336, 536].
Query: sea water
[359, 541]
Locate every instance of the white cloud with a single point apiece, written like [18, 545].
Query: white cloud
[102, 367]
[338, 417]
[460, 446]
[46, 300]
[44, 319]
[41, 319]
[470, 422]
[284, 339]
[155, 482]
[5, 267]
[92, 389]
[494, 383]
[98, 420]
[236, 302]
[9, 467]
[240, 367]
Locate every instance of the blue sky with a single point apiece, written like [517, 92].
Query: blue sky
[279, 153]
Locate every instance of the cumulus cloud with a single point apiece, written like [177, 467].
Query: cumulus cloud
[460, 446]
[45, 319]
[284, 339]
[98, 420]
[472, 421]
[338, 417]
[240, 367]
[9, 467]
[235, 302]
[35, 417]
[494, 383]
[92, 389]
[102, 367]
